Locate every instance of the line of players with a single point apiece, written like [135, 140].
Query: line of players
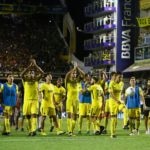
[91, 97]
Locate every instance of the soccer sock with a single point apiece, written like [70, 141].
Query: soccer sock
[57, 129]
[88, 124]
[7, 124]
[51, 122]
[73, 123]
[106, 122]
[33, 124]
[60, 123]
[97, 123]
[131, 122]
[69, 124]
[20, 122]
[59, 119]
[125, 117]
[148, 126]
[39, 123]
[94, 126]
[113, 125]
[116, 121]
[28, 124]
[80, 123]
[137, 124]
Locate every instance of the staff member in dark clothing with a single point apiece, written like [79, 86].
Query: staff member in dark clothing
[147, 107]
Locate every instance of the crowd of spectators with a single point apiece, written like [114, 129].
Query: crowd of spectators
[23, 36]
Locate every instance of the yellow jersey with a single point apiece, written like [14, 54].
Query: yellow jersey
[73, 90]
[116, 89]
[102, 83]
[47, 90]
[59, 93]
[30, 90]
[96, 93]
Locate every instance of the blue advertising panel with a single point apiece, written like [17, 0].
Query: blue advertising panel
[127, 33]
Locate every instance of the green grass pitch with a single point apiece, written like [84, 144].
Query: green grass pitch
[20, 141]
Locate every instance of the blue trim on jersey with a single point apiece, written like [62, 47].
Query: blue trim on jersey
[1, 109]
[9, 95]
[134, 101]
[86, 96]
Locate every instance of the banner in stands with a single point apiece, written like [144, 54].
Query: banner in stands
[5, 74]
[30, 9]
[143, 22]
[144, 4]
[127, 33]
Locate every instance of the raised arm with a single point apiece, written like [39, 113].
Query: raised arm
[81, 72]
[33, 67]
[26, 70]
[104, 75]
[37, 67]
[68, 76]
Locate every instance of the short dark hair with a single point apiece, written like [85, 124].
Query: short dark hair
[95, 78]
[46, 74]
[118, 73]
[112, 73]
[59, 79]
[132, 77]
[10, 74]
[87, 74]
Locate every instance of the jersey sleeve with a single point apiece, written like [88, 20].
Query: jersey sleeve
[63, 91]
[1, 87]
[110, 88]
[90, 88]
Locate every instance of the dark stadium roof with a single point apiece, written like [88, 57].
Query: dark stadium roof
[138, 66]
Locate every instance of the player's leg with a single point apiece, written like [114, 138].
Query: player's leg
[34, 113]
[131, 115]
[113, 114]
[81, 116]
[94, 116]
[52, 114]
[137, 116]
[17, 115]
[43, 118]
[74, 115]
[100, 115]
[22, 122]
[27, 115]
[44, 113]
[59, 115]
[106, 116]
[88, 111]
[148, 126]
[122, 108]
[7, 114]
[69, 109]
